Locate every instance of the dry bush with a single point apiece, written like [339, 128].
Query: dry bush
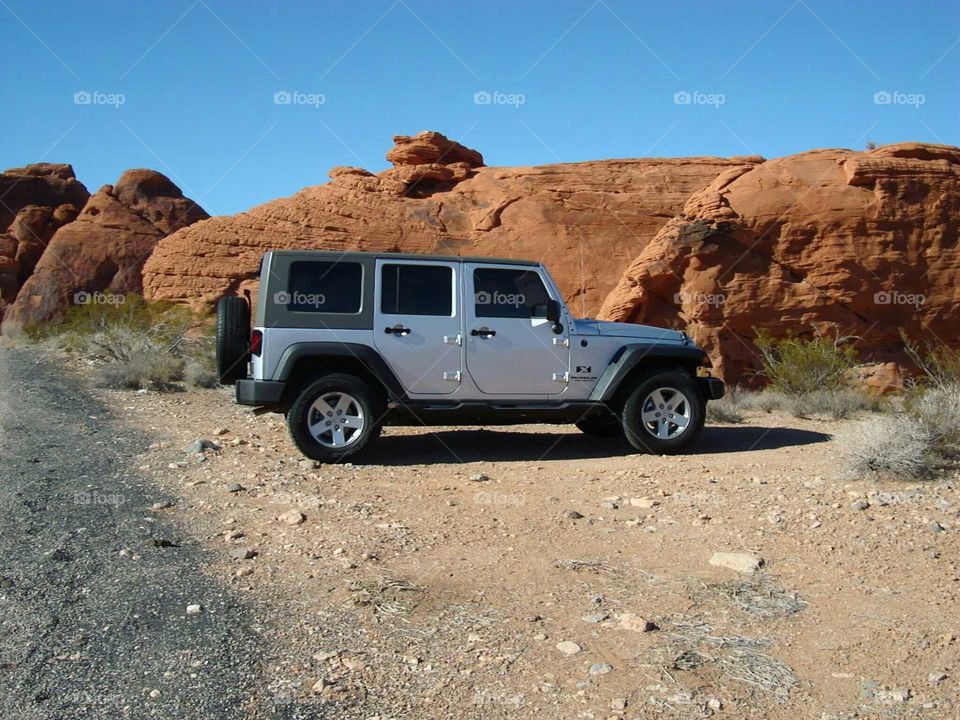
[137, 344]
[727, 409]
[200, 373]
[837, 404]
[142, 370]
[889, 446]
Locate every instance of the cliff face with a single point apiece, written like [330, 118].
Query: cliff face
[99, 249]
[829, 241]
[587, 221]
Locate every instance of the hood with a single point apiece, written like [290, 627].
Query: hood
[628, 330]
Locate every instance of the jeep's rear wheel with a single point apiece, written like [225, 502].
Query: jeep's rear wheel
[233, 339]
[664, 413]
[335, 417]
[601, 426]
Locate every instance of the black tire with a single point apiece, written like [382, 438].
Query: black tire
[302, 413]
[606, 425]
[637, 432]
[233, 339]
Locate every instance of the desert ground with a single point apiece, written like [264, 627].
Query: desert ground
[533, 571]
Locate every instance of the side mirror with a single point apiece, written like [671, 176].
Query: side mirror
[549, 310]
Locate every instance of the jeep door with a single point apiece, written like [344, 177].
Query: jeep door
[508, 351]
[417, 323]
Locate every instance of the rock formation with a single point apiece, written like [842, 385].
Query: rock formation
[35, 201]
[586, 220]
[104, 248]
[830, 242]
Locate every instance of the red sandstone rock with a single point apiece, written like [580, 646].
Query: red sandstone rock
[835, 242]
[34, 202]
[587, 220]
[104, 249]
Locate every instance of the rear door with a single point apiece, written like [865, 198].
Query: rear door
[417, 323]
[508, 352]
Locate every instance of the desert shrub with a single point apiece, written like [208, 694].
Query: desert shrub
[939, 365]
[914, 443]
[136, 343]
[838, 404]
[727, 409]
[795, 366]
[200, 373]
[889, 445]
[142, 370]
[763, 401]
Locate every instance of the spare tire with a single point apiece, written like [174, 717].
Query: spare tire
[233, 339]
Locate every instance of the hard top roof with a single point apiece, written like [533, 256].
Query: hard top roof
[339, 255]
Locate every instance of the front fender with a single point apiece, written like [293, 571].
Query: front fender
[631, 356]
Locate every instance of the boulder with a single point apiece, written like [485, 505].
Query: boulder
[104, 248]
[35, 201]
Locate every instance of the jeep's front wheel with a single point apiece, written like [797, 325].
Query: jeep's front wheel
[664, 413]
[335, 417]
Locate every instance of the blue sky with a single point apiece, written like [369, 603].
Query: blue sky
[188, 86]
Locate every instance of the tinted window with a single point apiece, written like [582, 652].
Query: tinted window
[507, 293]
[323, 286]
[417, 290]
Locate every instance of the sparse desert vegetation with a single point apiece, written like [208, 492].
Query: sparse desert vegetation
[135, 344]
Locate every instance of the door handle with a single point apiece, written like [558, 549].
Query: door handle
[483, 332]
[397, 330]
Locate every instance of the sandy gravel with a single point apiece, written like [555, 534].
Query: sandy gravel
[438, 579]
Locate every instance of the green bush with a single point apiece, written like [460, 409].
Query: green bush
[798, 367]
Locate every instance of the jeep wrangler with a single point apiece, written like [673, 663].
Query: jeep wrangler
[344, 343]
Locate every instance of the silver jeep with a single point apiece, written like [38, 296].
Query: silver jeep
[344, 343]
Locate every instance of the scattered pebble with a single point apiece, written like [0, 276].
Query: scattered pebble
[860, 505]
[572, 514]
[201, 445]
[600, 668]
[194, 609]
[479, 477]
[234, 487]
[740, 562]
[568, 647]
[292, 517]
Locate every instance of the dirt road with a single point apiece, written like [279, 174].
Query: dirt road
[95, 590]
